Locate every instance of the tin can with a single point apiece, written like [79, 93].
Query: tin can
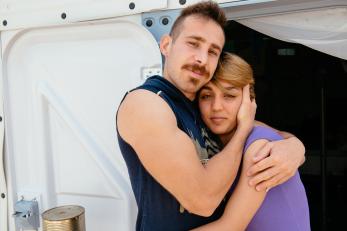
[64, 218]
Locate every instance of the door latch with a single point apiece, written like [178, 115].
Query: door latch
[26, 215]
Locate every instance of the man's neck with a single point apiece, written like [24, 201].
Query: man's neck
[190, 96]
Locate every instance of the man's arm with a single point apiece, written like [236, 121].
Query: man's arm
[244, 201]
[148, 124]
[277, 161]
[287, 135]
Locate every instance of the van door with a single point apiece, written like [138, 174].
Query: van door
[62, 88]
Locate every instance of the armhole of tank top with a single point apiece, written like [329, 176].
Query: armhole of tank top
[118, 110]
[151, 90]
[160, 93]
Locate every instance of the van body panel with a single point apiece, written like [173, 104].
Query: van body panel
[64, 68]
[17, 14]
[63, 87]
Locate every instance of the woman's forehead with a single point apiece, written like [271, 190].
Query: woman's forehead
[227, 85]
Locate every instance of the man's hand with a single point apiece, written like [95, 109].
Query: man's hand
[246, 113]
[275, 163]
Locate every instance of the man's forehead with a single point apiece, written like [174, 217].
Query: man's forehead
[190, 28]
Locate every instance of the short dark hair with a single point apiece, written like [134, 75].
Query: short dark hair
[206, 9]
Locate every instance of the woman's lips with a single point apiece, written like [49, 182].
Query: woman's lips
[217, 119]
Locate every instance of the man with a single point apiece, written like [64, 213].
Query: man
[163, 140]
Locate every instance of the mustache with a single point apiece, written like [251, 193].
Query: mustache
[196, 68]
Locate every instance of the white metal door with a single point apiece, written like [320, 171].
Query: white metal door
[62, 87]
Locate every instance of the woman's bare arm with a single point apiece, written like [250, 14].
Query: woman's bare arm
[244, 201]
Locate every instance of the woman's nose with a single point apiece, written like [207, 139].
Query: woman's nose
[217, 104]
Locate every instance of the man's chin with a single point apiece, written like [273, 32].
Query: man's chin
[198, 82]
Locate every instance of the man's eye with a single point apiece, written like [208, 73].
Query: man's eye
[213, 52]
[193, 44]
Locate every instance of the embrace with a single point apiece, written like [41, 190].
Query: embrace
[196, 157]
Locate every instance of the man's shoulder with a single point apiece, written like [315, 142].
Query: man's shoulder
[144, 110]
[143, 100]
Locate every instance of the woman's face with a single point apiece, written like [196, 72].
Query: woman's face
[219, 108]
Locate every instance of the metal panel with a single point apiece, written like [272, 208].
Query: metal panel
[16, 14]
[175, 4]
[235, 12]
[3, 187]
[63, 86]
[160, 22]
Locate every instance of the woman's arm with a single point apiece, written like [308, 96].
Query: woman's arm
[244, 201]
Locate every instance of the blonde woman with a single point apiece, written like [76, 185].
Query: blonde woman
[282, 208]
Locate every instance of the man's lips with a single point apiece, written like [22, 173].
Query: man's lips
[197, 74]
[196, 70]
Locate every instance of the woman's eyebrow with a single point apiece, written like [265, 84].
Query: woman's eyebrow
[206, 88]
[230, 88]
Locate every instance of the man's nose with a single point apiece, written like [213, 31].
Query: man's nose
[217, 104]
[201, 57]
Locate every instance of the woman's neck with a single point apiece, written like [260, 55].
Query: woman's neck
[226, 137]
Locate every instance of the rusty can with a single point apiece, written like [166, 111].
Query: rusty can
[64, 218]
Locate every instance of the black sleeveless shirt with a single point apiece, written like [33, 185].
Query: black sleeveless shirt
[157, 208]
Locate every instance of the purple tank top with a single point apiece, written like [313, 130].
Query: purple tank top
[285, 207]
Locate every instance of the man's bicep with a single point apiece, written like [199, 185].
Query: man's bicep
[171, 158]
[165, 151]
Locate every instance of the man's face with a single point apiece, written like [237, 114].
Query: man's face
[192, 57]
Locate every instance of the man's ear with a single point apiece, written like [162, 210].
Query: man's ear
[165, 44]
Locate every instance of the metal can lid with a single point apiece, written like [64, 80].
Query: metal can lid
[63, 212]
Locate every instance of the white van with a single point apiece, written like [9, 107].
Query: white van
[64, 67]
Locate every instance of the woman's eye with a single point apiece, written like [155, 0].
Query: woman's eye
[205, 96]
[228, 96]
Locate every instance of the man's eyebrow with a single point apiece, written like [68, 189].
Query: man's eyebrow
[215, 46]
[198, 38]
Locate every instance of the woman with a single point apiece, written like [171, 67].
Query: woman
[283, 208]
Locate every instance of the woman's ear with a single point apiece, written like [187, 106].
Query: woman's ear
[165, 44]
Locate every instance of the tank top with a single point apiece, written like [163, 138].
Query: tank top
[157, 208]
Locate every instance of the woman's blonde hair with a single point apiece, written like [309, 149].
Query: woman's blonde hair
[234, 70]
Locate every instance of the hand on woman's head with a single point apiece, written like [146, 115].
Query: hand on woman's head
[246, 113]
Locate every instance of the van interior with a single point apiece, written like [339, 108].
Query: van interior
[302, 91]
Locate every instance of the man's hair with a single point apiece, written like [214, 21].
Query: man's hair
[234, 70]
[207, 9]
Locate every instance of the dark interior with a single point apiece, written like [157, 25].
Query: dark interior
[301, 90]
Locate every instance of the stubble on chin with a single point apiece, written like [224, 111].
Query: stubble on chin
[195, 84]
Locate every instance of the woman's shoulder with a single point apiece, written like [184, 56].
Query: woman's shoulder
[262, 132]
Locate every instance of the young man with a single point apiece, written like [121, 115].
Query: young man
[163, 140]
